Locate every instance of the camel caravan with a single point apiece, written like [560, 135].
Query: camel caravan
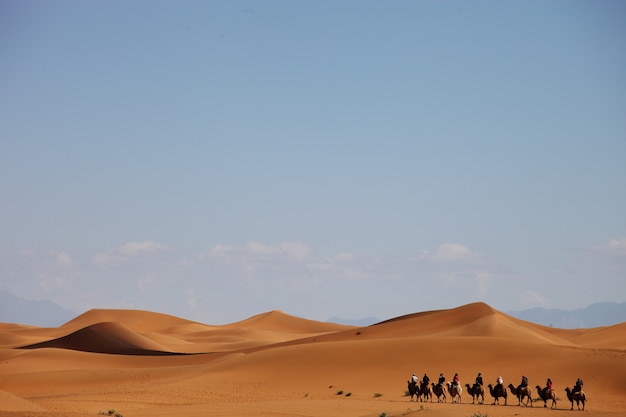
[423, 390]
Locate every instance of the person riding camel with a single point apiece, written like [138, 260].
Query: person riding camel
[479, 379]
[414, 379]
[500, 383]
[442, 379]
[524, 382]
[578, 386]
[425, 380]
[548, 384]
[455, 380]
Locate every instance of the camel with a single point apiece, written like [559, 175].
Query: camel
[439, 392]
[547, 394]
[476, 391]
[425, 392]
[413, 390]
[521, 392]
[496, 393]
[455, 391]
[578, 396]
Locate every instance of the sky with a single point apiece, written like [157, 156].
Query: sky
[219, 159]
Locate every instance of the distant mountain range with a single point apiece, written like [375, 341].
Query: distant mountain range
[596, 315]
[41, 313]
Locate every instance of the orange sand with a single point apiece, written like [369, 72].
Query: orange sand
[148, 364]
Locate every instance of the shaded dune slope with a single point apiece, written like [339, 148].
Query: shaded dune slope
[107, 337]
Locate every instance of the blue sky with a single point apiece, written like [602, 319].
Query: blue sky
[215, 160]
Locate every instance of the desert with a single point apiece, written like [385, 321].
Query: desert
[139, 363]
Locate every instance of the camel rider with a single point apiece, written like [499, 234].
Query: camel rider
[500, 383]
[455, 380]
[578, 386]
[548, 385]
[414, 379]
[524, 382]
[425, 380]
[442, 379]
[479, 379]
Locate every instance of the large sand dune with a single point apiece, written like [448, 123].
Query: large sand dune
[273, 364]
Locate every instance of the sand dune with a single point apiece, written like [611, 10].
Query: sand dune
[112, 338]
[276, 364]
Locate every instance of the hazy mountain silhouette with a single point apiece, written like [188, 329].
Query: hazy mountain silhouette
[595, 315]
[41, 313]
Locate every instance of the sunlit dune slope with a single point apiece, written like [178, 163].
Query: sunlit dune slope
[608, 337]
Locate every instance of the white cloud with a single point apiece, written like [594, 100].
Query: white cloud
[127, 250]
[101, 259]
[614, 247]
[261, 249]
[296, 250]
[220, 251]
[345, 256]
[64, 260]
[135, 248]
[452, 252]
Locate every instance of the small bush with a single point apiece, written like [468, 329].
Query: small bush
[383, 414]
[339, 392]
[348, 394]
[378, 394]
[110, 412]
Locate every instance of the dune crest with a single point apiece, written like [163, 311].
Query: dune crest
[137, 320]
[280, 321]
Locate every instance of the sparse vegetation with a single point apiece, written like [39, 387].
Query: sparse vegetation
[478, 415]
[383, 414]
[348, 394]
[110, 412]
[340, 392]
[377, 394]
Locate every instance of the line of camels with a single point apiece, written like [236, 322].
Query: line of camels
[424, 392]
